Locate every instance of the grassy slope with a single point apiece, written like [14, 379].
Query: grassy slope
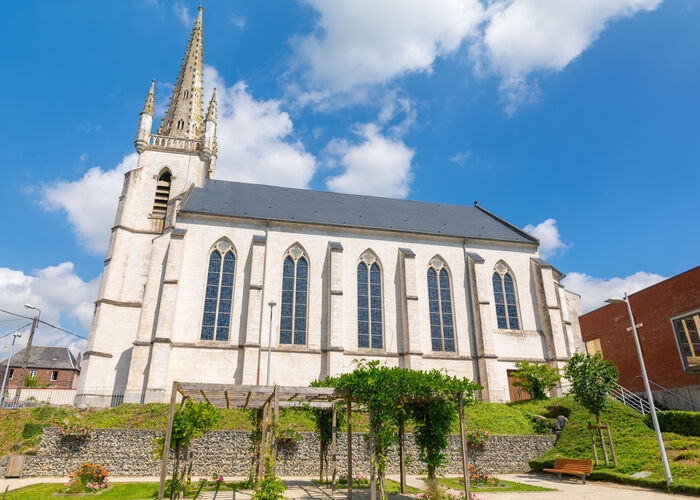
[635, 446]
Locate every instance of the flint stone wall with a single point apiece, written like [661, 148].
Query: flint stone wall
[130, 453]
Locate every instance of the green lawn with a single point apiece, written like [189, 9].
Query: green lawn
[636, 448]
[122, 491]
[457, 484]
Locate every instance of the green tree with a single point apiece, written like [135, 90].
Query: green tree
[535, 378]
[592, 378]
[31, 381]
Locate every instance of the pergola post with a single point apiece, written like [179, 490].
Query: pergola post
[349, 449]
[402, 458]
[333, 448]
[465, 457]
[166, 444]
[275, 421]
[372, 461]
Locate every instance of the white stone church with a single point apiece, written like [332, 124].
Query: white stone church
[201, 273]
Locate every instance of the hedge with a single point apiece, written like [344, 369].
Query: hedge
[686, 423]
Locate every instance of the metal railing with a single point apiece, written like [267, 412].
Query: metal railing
[630, 399]
[672, 393]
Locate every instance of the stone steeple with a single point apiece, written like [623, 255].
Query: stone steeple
[184, 116]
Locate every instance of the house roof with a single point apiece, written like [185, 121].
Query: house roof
[257, 201]
[42, 357]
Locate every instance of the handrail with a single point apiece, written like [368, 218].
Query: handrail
[627, 397]
[672, 393]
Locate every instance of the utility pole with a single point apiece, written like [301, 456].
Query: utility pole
[26, 356]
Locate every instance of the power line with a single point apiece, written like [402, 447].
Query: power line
[13, 331]
[47, 324]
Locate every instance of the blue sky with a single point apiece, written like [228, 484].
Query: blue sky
[577, 120]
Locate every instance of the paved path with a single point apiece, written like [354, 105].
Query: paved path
[305, 488]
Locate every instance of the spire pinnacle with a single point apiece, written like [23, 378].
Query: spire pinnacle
[148, 105]
[184, 115]
[211, 112]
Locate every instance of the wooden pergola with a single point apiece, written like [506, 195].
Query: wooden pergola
[269, 400]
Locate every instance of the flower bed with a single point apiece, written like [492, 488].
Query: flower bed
[90, 479]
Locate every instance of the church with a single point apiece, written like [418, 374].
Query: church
[226, 282]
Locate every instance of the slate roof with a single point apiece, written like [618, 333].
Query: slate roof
[44, 358]
[257, 201]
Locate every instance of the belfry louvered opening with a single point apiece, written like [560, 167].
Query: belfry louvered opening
[160, 203]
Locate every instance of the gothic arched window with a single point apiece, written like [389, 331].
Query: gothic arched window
[442, 334]
[504, 297]
[369, 302]
[160, 203]
[219, 292]
[180, 124]
[295, 279]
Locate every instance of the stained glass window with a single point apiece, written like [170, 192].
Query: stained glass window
[218, 296]
[442, 336]
[369, 304]
[504, 297]
[295, 277]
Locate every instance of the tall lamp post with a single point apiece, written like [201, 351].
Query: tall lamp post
[657, 430]
[269, 342]
[15, 336]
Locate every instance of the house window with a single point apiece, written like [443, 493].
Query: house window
[369, 303]
[687, 329]
[219, 292]
[504, 295]
[32, 373]
[295, 275]
[160, 203]
[54, 376]
[440, 303]
[11, 373]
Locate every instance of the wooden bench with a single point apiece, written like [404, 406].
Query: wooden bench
[572, 466]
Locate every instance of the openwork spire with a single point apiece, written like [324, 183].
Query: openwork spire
[184, 116]
[211, 113]
[148, 105]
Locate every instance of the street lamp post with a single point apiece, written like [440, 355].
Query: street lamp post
[15, 336]
[269, 342]
[657, 430]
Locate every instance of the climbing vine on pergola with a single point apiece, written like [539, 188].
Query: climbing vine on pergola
[431, 401]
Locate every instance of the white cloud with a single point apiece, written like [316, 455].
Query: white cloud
[594, 291]
[56, 290]
[377, 166]
[238, 21]
[525, 36]
[254, 138]
[183, 14]
[90, 202]
[360, 42]
[548, 234]
[357, 44]
[461, 157]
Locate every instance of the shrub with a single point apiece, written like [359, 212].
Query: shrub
[535, 378]
[90, 478]
[686, 423]
[477, 438]
[542, 425]
[74, 429]
[553, 411]
[270, 487]
[288, 436]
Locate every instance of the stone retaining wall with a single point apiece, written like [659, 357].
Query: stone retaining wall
[130, 453]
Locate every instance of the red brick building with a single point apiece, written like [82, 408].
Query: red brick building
[54, 367]
[670, 338]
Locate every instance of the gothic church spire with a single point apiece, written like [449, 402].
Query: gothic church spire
[184, 116]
